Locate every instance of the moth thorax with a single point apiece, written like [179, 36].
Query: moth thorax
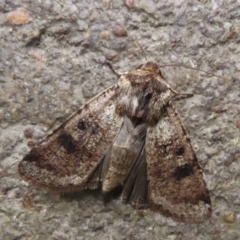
[134, 104]
[157, 105]
[146, 106]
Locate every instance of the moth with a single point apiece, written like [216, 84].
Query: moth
[130, 135]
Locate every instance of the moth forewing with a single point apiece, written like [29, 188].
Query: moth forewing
[131, 136]
[67, 158]
[176, 185]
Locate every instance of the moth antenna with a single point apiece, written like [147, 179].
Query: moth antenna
[112, 69]
[197, 69]
[139, 45]
[136, 42]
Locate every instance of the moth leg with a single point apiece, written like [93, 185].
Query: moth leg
[182, 96]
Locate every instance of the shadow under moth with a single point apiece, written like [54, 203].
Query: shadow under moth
[130, 135]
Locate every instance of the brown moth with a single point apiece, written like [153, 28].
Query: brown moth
[130, 135]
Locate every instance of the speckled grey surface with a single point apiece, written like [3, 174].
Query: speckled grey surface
[46, 78]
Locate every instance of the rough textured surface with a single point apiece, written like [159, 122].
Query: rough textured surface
[53, 64]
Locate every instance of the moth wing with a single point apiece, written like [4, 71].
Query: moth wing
[68, 157]
[135, 187]
[125, 149]
[176, 185]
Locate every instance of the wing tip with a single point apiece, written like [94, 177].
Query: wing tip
[185, 212]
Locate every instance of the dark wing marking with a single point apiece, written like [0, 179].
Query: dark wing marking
[176, 186]
[68, 157]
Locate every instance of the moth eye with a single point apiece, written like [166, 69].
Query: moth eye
[180, 151]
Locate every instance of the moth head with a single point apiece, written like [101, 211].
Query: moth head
[150, 67]
[143, 93]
